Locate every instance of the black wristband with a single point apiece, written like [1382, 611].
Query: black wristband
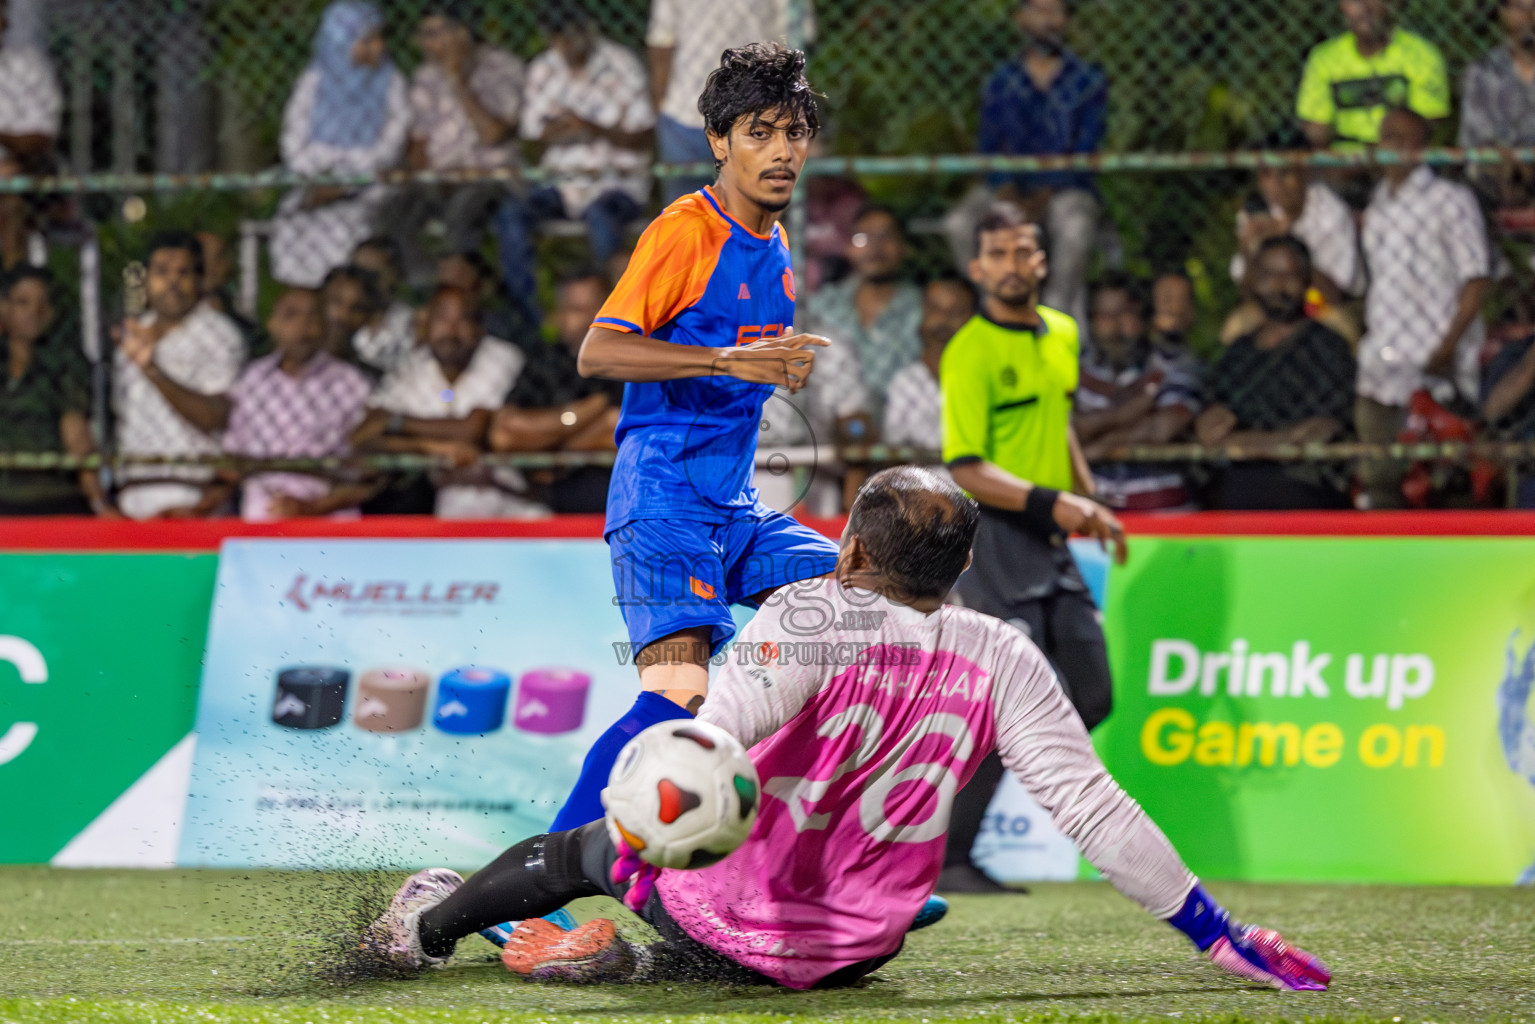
[1039, 510]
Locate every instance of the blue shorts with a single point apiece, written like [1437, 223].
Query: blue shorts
[675, 574]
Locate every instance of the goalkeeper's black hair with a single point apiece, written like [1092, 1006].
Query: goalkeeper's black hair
[758, 80]
[917, 528]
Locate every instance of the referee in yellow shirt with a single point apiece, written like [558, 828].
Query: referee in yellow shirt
[1008, 378]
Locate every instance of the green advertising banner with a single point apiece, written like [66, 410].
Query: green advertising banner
[1350, 709]
[99, 661]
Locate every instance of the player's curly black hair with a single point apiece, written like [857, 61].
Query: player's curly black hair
[755, 80]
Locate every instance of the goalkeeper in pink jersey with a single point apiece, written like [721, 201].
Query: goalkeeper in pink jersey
[860, 755]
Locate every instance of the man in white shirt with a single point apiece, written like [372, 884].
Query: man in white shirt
[31, 106]
[1288, 204]
[180, 348]
[439, 401]
[1430, 267]
[588, 107]
[465, 98]
[390, 331]
[914, 404]
[685, 40]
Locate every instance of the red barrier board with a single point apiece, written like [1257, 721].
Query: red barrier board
[86, 534]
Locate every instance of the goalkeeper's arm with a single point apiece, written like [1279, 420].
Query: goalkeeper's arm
[1042, 741]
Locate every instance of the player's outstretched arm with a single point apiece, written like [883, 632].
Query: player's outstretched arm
[1043, 742]
[635, 358]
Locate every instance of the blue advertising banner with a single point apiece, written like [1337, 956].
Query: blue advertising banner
[386, 703]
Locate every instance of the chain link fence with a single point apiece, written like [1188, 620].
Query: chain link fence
[330, 147]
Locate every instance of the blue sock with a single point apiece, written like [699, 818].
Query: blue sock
[1200, 918]
[585, 801]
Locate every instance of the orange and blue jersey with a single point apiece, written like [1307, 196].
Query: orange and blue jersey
[686, 447]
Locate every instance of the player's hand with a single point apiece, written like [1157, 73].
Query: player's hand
[1076, 514]
[1261, 955]
[782, 362]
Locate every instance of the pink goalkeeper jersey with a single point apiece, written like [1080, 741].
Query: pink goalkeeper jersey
[864, 717]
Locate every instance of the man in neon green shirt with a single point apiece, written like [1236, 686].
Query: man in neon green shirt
[1007, 378]
[1351, 80]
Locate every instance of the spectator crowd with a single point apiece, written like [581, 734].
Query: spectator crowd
[408, 318]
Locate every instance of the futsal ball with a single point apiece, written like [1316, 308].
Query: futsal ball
[682, 794]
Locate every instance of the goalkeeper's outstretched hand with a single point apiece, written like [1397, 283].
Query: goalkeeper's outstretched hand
[1245, 950]
[1261, 955]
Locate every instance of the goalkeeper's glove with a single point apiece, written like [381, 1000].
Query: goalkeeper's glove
[640, 873]
[1247, 951]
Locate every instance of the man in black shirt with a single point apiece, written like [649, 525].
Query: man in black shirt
[553, 408]
[1291, 381]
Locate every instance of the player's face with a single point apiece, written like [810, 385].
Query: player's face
[1280, 285]
[763, 156]
[173, 285]
[1010, 265]
[296, 326]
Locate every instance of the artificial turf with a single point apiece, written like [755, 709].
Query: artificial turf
[203, 946]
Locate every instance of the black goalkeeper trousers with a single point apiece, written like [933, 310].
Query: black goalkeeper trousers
[540, 875]
[1065, 627]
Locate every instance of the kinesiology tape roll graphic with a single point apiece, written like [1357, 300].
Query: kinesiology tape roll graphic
[310, 697]
[472, 700]
[551, 700]
[391, 699]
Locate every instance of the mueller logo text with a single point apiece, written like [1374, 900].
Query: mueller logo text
[389, 597]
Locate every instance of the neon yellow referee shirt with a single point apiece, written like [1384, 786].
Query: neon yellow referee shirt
[1342, 88]
[1007, 395]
